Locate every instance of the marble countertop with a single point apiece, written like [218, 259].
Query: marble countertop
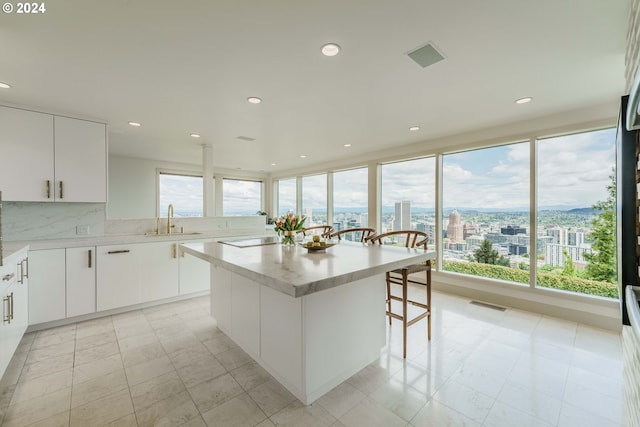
[296, 272]
[11, 247]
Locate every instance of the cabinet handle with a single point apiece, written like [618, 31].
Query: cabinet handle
[8, 299]
[175, 250]
[8, 277]
[48, 189]
[21, 274]
[60, 189]
[89, 263]
[123, 251]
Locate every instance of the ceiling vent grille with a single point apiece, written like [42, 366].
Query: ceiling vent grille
[245, 138]
[426, 55]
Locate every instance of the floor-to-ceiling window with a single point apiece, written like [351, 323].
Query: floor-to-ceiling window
[576, 247]
[486, 212]
[408, 196]
[350, 199]
[286, 196]
[241, 197]
[314, 199]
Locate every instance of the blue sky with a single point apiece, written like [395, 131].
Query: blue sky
[573, 171]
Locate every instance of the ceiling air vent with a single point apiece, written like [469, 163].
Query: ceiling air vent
[426, 55]
[245, 138]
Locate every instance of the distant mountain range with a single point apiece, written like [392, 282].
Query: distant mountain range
[448, 210]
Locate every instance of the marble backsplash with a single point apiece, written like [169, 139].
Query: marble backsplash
[42, 221]
[28, 221]
[189, 225]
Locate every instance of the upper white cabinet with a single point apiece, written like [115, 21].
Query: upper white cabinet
[80, 160]
[26, 162]
[51, 158]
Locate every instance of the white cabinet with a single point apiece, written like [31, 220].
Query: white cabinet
[221, 298]
[158, 270]
[51, 158]
[26, 163]
[81, 280]
[245, 313]
[195, 274]
[14, 309]
[80, 160]
[47, 298]
[117, 276]
[136, 273]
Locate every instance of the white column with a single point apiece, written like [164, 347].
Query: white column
[208, 183]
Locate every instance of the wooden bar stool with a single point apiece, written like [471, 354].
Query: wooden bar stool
[363, 232]
[400, 276]
[322, 230]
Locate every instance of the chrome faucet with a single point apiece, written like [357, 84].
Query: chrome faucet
[169, 216]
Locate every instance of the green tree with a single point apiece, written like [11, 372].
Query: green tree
[602, 262]
[485, 254]
[569, 269]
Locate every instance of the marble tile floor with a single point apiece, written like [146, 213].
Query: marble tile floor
[169, 365]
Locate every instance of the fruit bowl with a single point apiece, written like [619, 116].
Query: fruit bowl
[321, 248]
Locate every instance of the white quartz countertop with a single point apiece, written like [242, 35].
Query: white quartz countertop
[11, 248]
[294, 271]
[118, 239]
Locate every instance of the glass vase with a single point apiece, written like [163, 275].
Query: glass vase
[288, 237]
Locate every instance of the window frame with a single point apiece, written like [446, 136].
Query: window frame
[176, 172]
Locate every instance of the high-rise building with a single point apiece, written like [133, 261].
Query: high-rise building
[455, 230]
[575, 238]
[402, 220]
[512, 230]
[558, 234]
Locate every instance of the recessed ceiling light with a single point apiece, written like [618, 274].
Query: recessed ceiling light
[273, 164]
[195, 135]
[303, 156]
[254, 100]
[4, 85]
[523, 100]
[347, 145]
[414, 128]
[136, 124]
[330, 49]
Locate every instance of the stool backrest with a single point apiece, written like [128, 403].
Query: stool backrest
[362, 232]
[322, 230]
[412, 238]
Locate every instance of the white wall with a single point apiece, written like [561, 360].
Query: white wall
[132, 186]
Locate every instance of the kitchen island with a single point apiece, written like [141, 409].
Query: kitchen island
[311, 319]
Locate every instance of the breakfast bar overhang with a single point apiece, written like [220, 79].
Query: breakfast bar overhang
[310, 319]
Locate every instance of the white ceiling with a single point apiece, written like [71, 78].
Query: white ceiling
[180, 67]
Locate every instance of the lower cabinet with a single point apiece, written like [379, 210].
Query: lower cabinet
[117, 276]
[195, 274]
[221, 304]
[81, 280]
[14, 296]
[137, 273]
[77, 281]
[47, 294]
[158, 270]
